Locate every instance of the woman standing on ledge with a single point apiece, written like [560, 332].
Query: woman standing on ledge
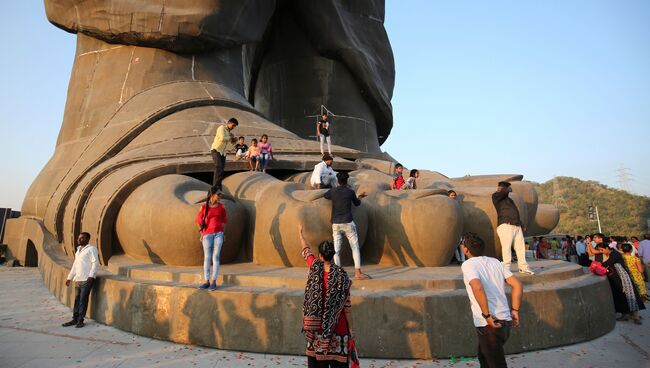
[210, 220]
[327, 312]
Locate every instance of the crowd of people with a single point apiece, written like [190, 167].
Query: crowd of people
[327, 311]
[625, 261]
[575, 248]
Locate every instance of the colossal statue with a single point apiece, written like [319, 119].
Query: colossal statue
[152, 80]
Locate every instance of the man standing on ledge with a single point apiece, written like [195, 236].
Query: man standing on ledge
[485, 279]
[323, 133]
[82, 274]
[223, 137]
[509, 228]
[343, 197]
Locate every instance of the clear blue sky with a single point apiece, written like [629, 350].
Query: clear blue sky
[539, 88]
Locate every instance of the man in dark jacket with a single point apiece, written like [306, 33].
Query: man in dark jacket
[343, 198]
[509, 228]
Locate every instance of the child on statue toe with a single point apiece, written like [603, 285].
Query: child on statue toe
[253, 155]
[266, 152]
[398, 180]
[411, 181]
[241, 149]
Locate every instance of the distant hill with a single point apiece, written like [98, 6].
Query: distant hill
[621, 213]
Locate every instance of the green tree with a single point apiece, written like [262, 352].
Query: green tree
[621, 213]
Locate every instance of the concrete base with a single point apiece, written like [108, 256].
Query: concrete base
[402, 313]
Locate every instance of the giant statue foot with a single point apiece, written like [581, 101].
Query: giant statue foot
[143, 105]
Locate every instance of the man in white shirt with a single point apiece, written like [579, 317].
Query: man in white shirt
[485, 280]
[581, 251]
[323, 175]
[84, 269]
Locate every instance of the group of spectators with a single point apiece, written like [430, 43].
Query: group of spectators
[625, 261]
[578, 249]
[626, 267]
[559, 247]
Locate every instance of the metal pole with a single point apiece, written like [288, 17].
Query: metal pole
[600, 230]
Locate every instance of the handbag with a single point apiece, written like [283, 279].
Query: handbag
[597, 268]
[354, 355]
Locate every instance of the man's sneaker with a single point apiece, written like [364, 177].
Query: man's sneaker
[69, 323]
[213, 287]
[204, 285]
[526, 271]
[80, 324]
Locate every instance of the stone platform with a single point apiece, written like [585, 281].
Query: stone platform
[402, 312]
[31, 336]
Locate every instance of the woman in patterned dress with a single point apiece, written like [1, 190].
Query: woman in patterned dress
[635, 268]
[327, 313]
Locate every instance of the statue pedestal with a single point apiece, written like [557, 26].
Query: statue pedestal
[403, 312]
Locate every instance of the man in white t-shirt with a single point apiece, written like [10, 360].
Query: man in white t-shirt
[485, 279]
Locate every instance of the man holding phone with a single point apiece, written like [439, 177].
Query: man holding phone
[509, 228]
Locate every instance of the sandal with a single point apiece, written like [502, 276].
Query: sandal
[363, 276]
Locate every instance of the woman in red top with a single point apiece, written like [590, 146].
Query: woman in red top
[327, 312]
[211, 226]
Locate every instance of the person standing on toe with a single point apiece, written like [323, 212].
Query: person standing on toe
[323, 133]
[343, 198]
[211, 219]
[458, 254]
[485, 279]
[82, 273]
[219, 148]
[509, 228]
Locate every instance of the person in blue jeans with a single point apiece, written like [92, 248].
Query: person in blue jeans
[343, 197]
[211, 219]
[82, 274]
[266, 152]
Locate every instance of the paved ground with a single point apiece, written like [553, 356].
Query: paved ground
[31, 336]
